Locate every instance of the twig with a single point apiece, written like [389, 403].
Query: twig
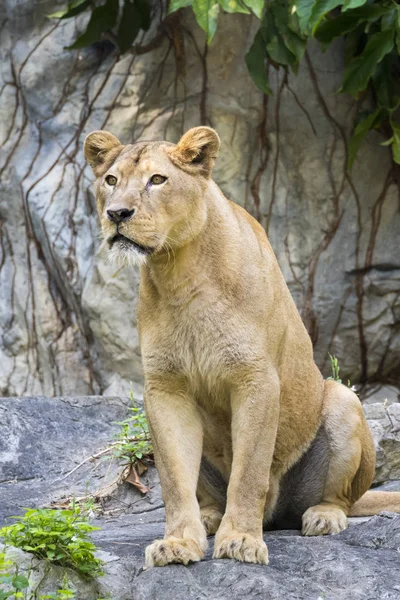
[98, 455]
[87, 459]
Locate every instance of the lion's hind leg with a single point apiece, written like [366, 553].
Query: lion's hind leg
[351, 465]
[211, 495]
[211, 518]
[324, 519]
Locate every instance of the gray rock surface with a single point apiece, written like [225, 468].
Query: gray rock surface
[43, 439]
[384, 422]
[67, 318]
[361, 563]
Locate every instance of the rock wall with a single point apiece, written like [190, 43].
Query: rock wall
[67, 318]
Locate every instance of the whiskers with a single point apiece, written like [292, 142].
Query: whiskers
[167, 245]
[128, 256]
[117, 256]
[102, 244]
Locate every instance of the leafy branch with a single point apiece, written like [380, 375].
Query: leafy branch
[370, 30]
[371, 33]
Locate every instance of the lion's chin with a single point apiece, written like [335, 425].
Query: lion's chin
[124, 251]
[126, 257]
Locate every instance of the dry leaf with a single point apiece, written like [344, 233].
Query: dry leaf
[140, 467]
[133, 478]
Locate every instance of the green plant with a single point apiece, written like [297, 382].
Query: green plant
[135, 16]
[335, 368]
[59, 536]
[369, 28]
[132, 442]
[16, 586]
[336, 371]
[63, 594]
[14, 583]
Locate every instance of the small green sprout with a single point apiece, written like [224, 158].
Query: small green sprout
[132, 442]
[335, 368]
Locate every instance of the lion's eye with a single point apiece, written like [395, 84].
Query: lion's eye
[111, 180]
[157, 179]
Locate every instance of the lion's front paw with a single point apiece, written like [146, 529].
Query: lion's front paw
[323, 520]
[243, 547]
[211, 518]
[172, 550]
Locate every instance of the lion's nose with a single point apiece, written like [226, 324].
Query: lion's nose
[123, 214]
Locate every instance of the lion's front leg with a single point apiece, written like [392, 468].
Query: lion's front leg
[255, 413]
[177, 436]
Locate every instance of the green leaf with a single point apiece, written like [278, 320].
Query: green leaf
[276, 48]
[206, 12]
[396, 142]
[354, 43]
[233, 6]
[320, 9]
[388, 142]
[352, 4]
[20, 582]
[287, 28]
[361, 69]
[295, 44]
[386, 86]
[279, 53]
[390, 19]
[177, 4]
[256, 6]
[294, 25]
[103, 18]
[74, 8]
[304, 9]
[135, 16]
[360, 132]
[344, 23]
[396, 150]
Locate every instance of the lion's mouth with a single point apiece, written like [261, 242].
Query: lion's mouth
[125, 243]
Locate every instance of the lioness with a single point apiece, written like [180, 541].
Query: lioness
[245, 430]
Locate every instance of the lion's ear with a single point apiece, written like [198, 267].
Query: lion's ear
[197, 149]
[101, 148]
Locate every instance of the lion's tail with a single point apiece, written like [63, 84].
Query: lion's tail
[372, 503]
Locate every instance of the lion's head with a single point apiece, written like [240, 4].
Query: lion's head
[150, 194]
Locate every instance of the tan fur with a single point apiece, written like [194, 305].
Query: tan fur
[229, 369]
[372, 503]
